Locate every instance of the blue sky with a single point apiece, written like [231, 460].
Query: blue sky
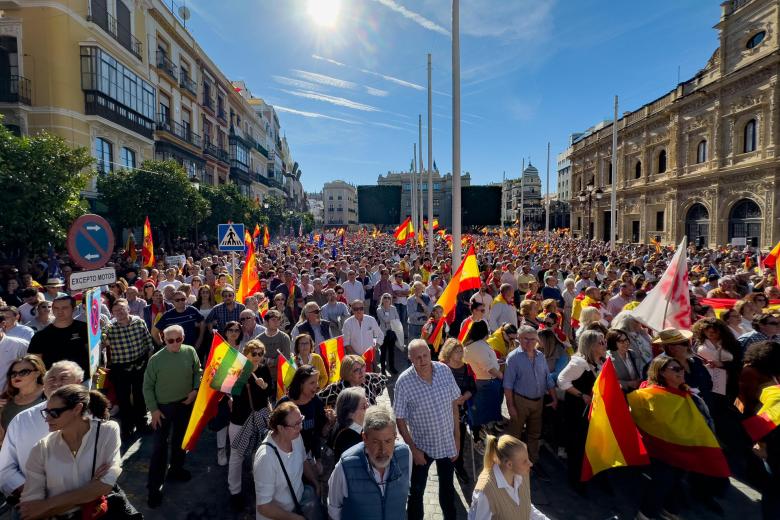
[533, 71]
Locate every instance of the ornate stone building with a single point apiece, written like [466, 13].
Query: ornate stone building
[702, 160]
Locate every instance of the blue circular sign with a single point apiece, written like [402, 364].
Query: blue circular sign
[90, 241]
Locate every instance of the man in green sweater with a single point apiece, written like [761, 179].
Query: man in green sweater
[170, 387]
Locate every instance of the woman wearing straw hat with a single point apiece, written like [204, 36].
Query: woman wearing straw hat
[677, 344]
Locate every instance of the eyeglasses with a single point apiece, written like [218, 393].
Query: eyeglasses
[256, 354]
[299, 424]
[21, 373]
[54, 413]
[245, 318]
[171, 341]
[180, 299]
[622, 340]
[675, 368]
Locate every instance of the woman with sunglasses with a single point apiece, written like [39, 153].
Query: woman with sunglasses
[628, 365]
[303, 347]
[148, 292]
[254, 397]
[78, 462]
[280, 304]
[23, 389]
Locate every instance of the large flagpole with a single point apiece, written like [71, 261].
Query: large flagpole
[613, 195]
[456, 231]
[547, 196]
[430, 160]
[413, 191]
[421, 169]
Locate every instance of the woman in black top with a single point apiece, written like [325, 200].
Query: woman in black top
[351, 407]
[303, 392]
[451, 354]
[254, 397]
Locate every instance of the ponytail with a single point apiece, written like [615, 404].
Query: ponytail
[92, 401]
[98, 405]
[500, 449]
[490, 452]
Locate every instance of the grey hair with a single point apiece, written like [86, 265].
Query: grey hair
[527, 329]
[347, 403]
[587, 339]
[623, 321]
[68, 366]
[173, 328]
[419, 342]
[378, 418]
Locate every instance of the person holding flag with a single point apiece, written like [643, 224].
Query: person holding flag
[435, 330]
[483, 361]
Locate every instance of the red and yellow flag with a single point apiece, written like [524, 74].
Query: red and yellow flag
[465, 278]
[436, 337]
[613, 440]
[368, 357]
[498, 343]
[770, 260]
[130, 252]
[205, 407]
[404, 231]
[266, 236]
[256, 232]
[768, 417]
[147, 254]
[465, 327]
[263, 308]
[675, 432]
[250, 280]
[332, 352]
[285, 370]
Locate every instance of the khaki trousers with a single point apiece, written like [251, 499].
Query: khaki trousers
[529, 417]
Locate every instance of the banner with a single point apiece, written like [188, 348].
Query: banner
[668, 304]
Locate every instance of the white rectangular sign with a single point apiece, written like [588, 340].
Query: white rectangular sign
[739, 241]
[96, 278]
[176, 260]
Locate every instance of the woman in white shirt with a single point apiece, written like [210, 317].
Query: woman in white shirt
[78, 462]
[503, 489]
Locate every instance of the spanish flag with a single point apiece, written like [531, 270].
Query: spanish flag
[285, 370]
[771, 259]
[256, 232]
[436, 337]
[657, 245]
[263, 308]
[147, 254]
[613, 440]
[266, 236]
[675, 432]
[250, 280]
[768, 417]
[332, 352]
[205, 407]
[465, 278]
[498, 344]
[465, 327]
[404, 231]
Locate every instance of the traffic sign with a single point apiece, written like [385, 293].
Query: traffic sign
[230, 237]
[90, 241]
[96, 278]
[92, 306]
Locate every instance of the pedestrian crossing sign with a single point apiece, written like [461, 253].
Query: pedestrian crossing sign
[230, 237]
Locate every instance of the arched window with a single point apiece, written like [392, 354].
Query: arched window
[104, 154]
[701, 151]
[755, 39]
[662, 161]
[749, 144]
[638, 170]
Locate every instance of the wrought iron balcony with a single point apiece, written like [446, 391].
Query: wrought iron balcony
[15, 89]
[165, 64]
[216, 152]
[178, 130]
[221, 115]
[208, 103]
[187, 83]
[119, 32]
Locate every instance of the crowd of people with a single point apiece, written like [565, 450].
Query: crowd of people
[510, 374]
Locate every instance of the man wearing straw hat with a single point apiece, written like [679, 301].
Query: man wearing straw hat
[53, 291]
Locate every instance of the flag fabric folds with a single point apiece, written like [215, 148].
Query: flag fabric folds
[404, 231]
[368, 357]
[465, 278]
[147, 253]
[256, 232]
[250, 279]
[436, 337]
[266, 236]
[768, 417]
[675, 432]
[285, 370]
[205, 406]
[770, 260]
[332, 352]
[613, 440]
[465, 327]
[233, 371]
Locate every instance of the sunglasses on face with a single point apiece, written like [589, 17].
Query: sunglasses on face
[180, 299]
[232, 329]
[54, 413]
[171, 341]
[20, 373]
[675, 368]
[256, 354]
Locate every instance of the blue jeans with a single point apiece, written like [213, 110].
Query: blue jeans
[446, 470]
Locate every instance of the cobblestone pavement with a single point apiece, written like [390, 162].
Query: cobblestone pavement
[206, 495]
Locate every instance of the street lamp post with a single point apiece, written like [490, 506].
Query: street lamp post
[196, 184]
[586, 197]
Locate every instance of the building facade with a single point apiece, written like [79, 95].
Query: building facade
[316, 208]
[702, 160]
[526, 193]
[126, 79]
[340, 205]
[442, 193]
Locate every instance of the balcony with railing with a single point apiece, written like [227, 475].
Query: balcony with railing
[118, 31]
[214, 151]
[98, 104]
[187, 83]
[165, 64]
[15, 89]
[178, 130]
[208, 104]
[221, 115]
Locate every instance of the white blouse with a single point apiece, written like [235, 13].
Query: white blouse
[53, 470]
[480, 506]
[574, 369]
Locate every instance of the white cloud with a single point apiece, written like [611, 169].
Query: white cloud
[314, 115]
[322, 79]
[415, 17]
[329, 60]
[507, 20]
[335, 100]
[376, 92]
[397, 81]
[297, 83]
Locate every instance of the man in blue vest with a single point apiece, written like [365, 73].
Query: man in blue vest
[371, 481]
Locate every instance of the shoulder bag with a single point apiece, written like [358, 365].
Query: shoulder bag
[311, 509]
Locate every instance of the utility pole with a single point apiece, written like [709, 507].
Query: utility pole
[522, 201]
[430, 159]
[412, 191]
[613, 194]
[503, 200]
[456, 230]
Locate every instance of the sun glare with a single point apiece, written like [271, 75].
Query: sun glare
[324, 12]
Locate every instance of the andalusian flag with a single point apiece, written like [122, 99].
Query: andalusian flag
[332, 352]
[250, 280]
[285, 370]
[266, 236]
[675, 432]
[768, 417]
[613, 440]
[233, 371]
[205, 407]
[404, 231]
[147, 254]
[465, 278]
[436, 337]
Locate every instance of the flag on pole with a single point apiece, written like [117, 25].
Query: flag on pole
[368, 357]
[613, 440]
[675, 432]
[205, 407]
[332, 352]
[768, 417]
[256, 232]
[771, 259]
[404, 231]
[250, 279]
[263, 308]
[130, 252]
[232, 373]
[266, 236]
[436, 337]
[147, 253]
[321, 240]
[668, 304]
[466, 277]
[285, 370]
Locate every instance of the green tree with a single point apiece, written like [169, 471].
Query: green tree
[227, 204]
[160, 190]
[42, 179]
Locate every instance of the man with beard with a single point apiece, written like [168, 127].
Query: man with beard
[373, 475]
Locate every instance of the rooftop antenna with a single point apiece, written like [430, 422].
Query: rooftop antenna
[184, 14]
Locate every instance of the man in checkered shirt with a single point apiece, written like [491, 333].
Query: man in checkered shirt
[128, 345]
[426, 410]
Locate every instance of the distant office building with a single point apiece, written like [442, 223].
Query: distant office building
[316, 207]
[339, 200]
[525, 192]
